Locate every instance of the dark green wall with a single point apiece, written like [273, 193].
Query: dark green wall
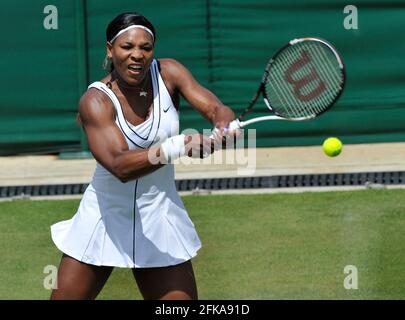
[224, 43]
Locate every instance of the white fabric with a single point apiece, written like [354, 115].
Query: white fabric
[140, 223]
[132, 27]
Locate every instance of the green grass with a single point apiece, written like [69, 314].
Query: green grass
[280, 246]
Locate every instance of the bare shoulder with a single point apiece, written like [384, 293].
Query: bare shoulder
[94, 105]
[172, 68]
[174, 73]
[170, 64]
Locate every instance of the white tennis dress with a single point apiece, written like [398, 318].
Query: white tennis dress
[140, 223]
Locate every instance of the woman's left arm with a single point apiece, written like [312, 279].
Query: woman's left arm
[203, 100]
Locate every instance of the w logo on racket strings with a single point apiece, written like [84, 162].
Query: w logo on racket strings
[300, 83]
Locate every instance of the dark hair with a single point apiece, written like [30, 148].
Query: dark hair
[125, 20]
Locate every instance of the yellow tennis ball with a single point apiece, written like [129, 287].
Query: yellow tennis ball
[332, 147]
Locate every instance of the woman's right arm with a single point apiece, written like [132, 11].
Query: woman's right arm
[108, 145]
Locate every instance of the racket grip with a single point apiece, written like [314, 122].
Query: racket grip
[233, 125]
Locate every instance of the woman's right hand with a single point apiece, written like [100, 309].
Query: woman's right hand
[198, 145]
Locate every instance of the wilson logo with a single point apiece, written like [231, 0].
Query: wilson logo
[300, 83]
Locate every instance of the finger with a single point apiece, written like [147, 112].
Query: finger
[205, 151]
[218, 138]
[208, 146]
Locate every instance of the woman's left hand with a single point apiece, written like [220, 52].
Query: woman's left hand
[222, 135]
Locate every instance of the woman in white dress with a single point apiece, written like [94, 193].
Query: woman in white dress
[131, 215]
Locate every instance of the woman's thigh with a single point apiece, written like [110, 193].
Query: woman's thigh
[167, 283]
[78, 281]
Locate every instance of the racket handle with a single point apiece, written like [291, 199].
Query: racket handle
[233, 125]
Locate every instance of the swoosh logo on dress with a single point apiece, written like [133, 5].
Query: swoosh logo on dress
[167, 108]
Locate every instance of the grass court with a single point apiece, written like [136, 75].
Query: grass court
[268, 246]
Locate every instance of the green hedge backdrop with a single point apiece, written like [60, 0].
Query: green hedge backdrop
[224, 43]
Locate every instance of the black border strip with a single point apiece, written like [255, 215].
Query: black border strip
[253, 182]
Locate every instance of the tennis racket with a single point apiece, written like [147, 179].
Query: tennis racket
[300, 82]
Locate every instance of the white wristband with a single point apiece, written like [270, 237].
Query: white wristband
[173, 148]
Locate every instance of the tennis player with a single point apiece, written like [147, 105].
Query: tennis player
[131, 215]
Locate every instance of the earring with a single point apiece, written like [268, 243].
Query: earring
[106, 62]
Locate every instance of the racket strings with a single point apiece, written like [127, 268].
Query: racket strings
[281, 90]
[322, 62]
[281, 93]
[314, 107]
[285, 98]
[304, 80]
[323, 69]
[324, 73]
[301, 73]
[328, 73]
[290, 59]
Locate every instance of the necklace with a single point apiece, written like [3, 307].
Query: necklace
[142, 92]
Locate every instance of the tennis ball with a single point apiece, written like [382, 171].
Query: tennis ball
[332, 147]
